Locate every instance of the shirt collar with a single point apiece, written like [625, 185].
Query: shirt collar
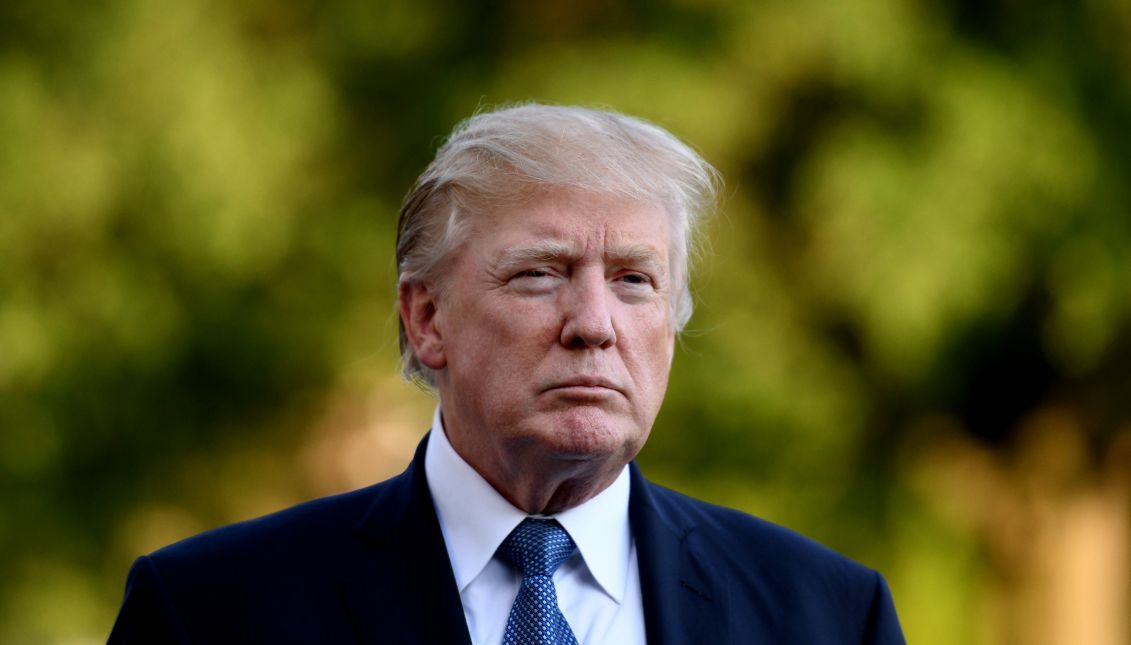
[475, 519]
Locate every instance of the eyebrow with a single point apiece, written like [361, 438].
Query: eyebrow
[556, 251]
[543, 251]
[635, 254]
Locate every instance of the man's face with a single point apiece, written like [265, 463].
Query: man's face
[555, 333]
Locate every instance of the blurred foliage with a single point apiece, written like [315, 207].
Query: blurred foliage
[913, 339]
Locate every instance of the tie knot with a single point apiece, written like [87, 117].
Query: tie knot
[537, 547]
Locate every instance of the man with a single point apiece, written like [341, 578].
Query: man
[543, 260]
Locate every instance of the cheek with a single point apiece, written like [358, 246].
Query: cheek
[649, 346]
[659, 369]
[519, 327]
[654, 325]
[497, 335]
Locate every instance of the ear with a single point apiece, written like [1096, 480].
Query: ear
[418, 306]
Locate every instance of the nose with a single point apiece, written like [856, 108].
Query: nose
[588, 320]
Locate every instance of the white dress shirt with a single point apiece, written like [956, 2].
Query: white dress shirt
[598, 586]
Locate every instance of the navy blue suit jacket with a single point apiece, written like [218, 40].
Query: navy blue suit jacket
[370, 566]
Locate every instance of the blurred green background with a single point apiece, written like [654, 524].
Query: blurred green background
[913, 334]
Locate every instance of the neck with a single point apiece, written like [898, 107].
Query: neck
[538, 494]
[539, 484]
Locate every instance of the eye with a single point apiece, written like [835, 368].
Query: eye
[635, 279]
[635, 286]
[538, 280]
[535, 274]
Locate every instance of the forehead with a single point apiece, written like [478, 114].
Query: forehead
[576, 219]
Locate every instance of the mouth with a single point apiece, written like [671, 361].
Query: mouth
[586, 387]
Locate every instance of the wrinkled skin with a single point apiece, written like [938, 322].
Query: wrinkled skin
[551, 338]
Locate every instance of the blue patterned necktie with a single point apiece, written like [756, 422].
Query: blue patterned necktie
[536, 548]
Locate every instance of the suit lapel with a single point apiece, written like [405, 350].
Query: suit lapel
[404, 590]
[685, 599]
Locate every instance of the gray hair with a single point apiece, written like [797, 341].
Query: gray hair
[498, 157]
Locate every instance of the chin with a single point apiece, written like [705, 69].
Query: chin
[591, 433]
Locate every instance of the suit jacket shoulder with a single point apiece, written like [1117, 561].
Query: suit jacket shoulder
[749, 546]
[365, 566]
[751, 580]
[296, 536]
